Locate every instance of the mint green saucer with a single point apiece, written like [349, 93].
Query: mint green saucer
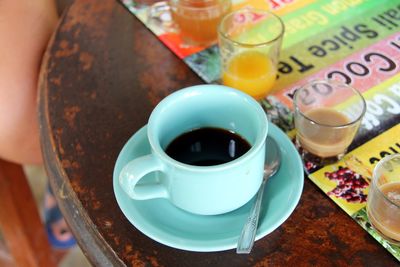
[163, 222]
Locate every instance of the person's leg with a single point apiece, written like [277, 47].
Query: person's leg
[25, 28]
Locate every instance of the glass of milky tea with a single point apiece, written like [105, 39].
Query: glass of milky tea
[383, 205]
[327, 115]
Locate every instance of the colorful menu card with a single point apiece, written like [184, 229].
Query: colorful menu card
[353, 41]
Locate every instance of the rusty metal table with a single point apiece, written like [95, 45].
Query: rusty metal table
[102, 75]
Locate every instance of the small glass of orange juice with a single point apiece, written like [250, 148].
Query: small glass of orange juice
[249, 44]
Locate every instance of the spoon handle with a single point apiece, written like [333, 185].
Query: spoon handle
[248, 235]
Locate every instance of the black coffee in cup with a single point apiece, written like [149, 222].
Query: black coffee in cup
[207, 147]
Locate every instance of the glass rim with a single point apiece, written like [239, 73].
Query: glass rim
[191, 8]
[357, 93]
[374, 176]
[225, 36]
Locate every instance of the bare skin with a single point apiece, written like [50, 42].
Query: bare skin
[25, 28]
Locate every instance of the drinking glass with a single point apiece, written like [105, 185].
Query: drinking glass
[383, 204]
[249, 44]
[196, 20]
[327, 115]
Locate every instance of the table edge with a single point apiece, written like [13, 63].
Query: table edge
[85, 233]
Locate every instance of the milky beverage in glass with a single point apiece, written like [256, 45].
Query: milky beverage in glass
[327, 116]
[383, 206]
[325, 142]
[198, 19]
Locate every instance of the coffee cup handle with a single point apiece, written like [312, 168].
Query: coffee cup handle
[134, 171]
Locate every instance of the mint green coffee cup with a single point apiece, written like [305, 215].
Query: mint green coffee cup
[204, 190]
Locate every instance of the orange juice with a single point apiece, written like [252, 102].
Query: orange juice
[251, 72]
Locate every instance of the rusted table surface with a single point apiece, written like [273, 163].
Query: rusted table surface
[103, 74]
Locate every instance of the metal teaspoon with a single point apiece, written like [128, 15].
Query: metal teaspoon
[271, 165]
